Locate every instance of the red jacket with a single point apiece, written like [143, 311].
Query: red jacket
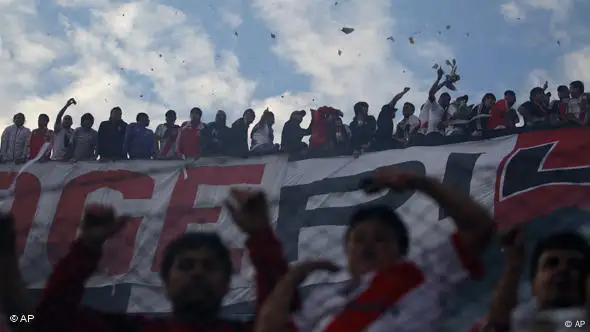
[188, 140]
[60, 308]
[319, 127]
[37, 139]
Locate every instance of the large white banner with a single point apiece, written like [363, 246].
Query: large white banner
[311, 201]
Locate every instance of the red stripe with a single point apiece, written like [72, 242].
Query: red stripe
[388, 287]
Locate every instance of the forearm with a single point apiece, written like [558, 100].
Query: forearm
[505, 296]
[473, 221]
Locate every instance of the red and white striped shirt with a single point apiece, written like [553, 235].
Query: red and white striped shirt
[401, 298]
[167, 137]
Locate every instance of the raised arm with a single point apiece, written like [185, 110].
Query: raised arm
[398, 97]
[436, 86]
[475, 226]
[60, 114]
[60, 306]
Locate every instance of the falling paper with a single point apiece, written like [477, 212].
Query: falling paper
[435, 66]
[339, 52]
[448, 27]
[558, 42]
[347, 30]
[236, 33]
[391, 38]
[448, 63]
[411, 40]
[273, 36]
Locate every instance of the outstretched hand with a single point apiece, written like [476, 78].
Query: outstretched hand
[249, 209]
[99, 224]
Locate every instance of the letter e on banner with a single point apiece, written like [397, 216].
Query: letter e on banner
[181, 211]
[131, 185]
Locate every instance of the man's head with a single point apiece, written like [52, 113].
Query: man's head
[376, 237]
[576, 89]
[221, 117]
[18, 119]
[408, 109]
[462, 101]
[537, 95]
[559, 269]
[170, 117]
[196, 270]
[196, 114]
[43, 120]
[297, 116]
[249, 116]
[268, 118]
[444, 100]
[66, 122]
[142, 119]
[361, 108]
[87, 121]
[116, 114]
[510, 98]
[563, 92]
[488, 100]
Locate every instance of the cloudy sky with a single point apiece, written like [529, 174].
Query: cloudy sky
[153, 55]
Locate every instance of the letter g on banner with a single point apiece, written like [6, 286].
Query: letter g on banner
[295, 216]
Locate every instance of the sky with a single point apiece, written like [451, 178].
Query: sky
[154, 55]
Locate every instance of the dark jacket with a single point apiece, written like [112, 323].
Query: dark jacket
[216, 139]
[362, 134]
[292, 136]
[239, 133]
[111, 135]
[385, 123]
[60, 308]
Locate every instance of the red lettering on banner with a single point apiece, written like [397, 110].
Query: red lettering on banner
[132, 185]
[181, 211]
[26, 197]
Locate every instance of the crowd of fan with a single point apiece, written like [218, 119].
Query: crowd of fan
[438, 122]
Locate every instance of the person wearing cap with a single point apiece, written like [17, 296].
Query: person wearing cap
[457, 117]
[166, 135]
[503, 116]
[480, 114]
[292, 134]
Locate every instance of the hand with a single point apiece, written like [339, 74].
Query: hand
[71, 102]
[545, 85]
[275, 314]
[406, 89]
[99, 224]
[7, 235]
[439, 73]
[390, 177]
[249, 210]
[513, 244]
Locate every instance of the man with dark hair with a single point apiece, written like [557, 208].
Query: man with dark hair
[39, 137]
[217, 136]
[535, 110]
[558, 108]
[140, 141]
[240, 133]
[387, 291]
[362, 127]
[189, 138]
[166, 135]
[84, 140]
[409, 125]
[63, 133]
[196, 271]
[292, 133]
[432, 114]
[111, 134]
[503, 115]
[579, 105]
[559, 270]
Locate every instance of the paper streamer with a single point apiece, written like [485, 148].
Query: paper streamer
[40, 155]
[460, 122]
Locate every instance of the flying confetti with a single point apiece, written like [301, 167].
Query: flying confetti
[435, 66]
[558, 42]
[448, 27]
[339, 52]
[273, 36]
[411, 40]
[236, 33]
[391, 38]
[347, 30]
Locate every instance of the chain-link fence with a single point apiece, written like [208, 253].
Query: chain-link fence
[539, 178]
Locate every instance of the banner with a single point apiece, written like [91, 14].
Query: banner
[520, 178]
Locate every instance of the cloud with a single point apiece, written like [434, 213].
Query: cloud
[577, 65]
[368, 68]
[140, 55]
[512, 12]
[230, 18]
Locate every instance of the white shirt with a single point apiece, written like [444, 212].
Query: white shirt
[575, 108]
[435, 115]
[412, 288]
[260, 136]
[423, 118]
[14, 143]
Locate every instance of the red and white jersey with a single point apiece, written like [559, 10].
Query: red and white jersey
[404, 297]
